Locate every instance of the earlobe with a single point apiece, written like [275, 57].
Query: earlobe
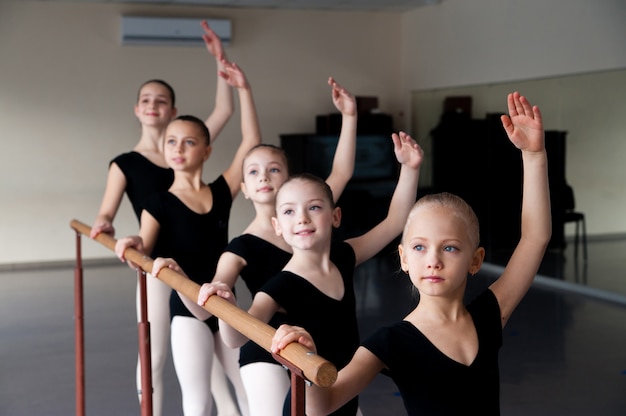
[243, 188]
[207, 153]
[336, 217]
[276, 226]
[477, 261]
[403, 263]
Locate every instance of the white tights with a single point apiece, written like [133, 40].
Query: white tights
[158, 297]
[193, 348]
[225, 369]
[225, 403]
[267, 386]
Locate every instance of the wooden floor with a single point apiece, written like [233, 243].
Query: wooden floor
[564, 348]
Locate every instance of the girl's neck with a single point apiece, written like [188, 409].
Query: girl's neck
[150, 145]
[264, 213]
[261, 227]
[152, 137]
[318, 270]
[187, 181]
[438, 309]
[310, 261]
[194, 193]
[261, 224]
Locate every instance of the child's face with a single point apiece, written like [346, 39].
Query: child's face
[154, 107]
[437, 251]
[264, 171]
[185, 147]
[304, 215]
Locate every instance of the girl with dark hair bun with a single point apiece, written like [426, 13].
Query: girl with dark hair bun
[142, 172]
[189, 222]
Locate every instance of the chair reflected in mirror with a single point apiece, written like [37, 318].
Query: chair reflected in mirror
[580, 233]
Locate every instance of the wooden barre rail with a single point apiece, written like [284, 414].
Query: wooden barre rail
[315, 368]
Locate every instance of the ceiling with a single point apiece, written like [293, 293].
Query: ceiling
[336, 5]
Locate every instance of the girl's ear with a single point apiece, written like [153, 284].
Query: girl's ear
[477, 260]
[404, 265]
[336, 217]
[243, 190]
[207, 152]
[174, 112]
[276, 226]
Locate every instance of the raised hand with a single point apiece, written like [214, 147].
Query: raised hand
[524, 124]
[233, 75]
[342, 98]
[407, 151]
[212, 41]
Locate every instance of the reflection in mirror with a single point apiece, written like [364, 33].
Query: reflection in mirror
[590, 109]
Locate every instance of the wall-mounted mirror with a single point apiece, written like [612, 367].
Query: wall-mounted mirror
[591, 109]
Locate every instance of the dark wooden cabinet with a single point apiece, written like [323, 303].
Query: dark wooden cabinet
[474, 159]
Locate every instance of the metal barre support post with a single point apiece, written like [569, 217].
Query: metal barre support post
[143, 330]
[79, 331]
[315, 368]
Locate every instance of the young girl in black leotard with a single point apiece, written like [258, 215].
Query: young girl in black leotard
[142, 172]
[314, 289]
[189, 222]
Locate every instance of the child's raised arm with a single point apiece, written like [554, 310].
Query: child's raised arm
[224, 102]
[250, 130]
[343, 162]
[524, 127]
[410, 155]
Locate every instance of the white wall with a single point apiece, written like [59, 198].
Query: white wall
[468, 42]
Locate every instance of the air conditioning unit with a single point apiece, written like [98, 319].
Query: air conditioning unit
[140, 30]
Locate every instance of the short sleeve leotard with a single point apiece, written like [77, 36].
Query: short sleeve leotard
[430, 382]
[332, 323]
[263, 261]
[194, 240]
[143, 178]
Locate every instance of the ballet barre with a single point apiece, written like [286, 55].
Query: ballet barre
[304, 364]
